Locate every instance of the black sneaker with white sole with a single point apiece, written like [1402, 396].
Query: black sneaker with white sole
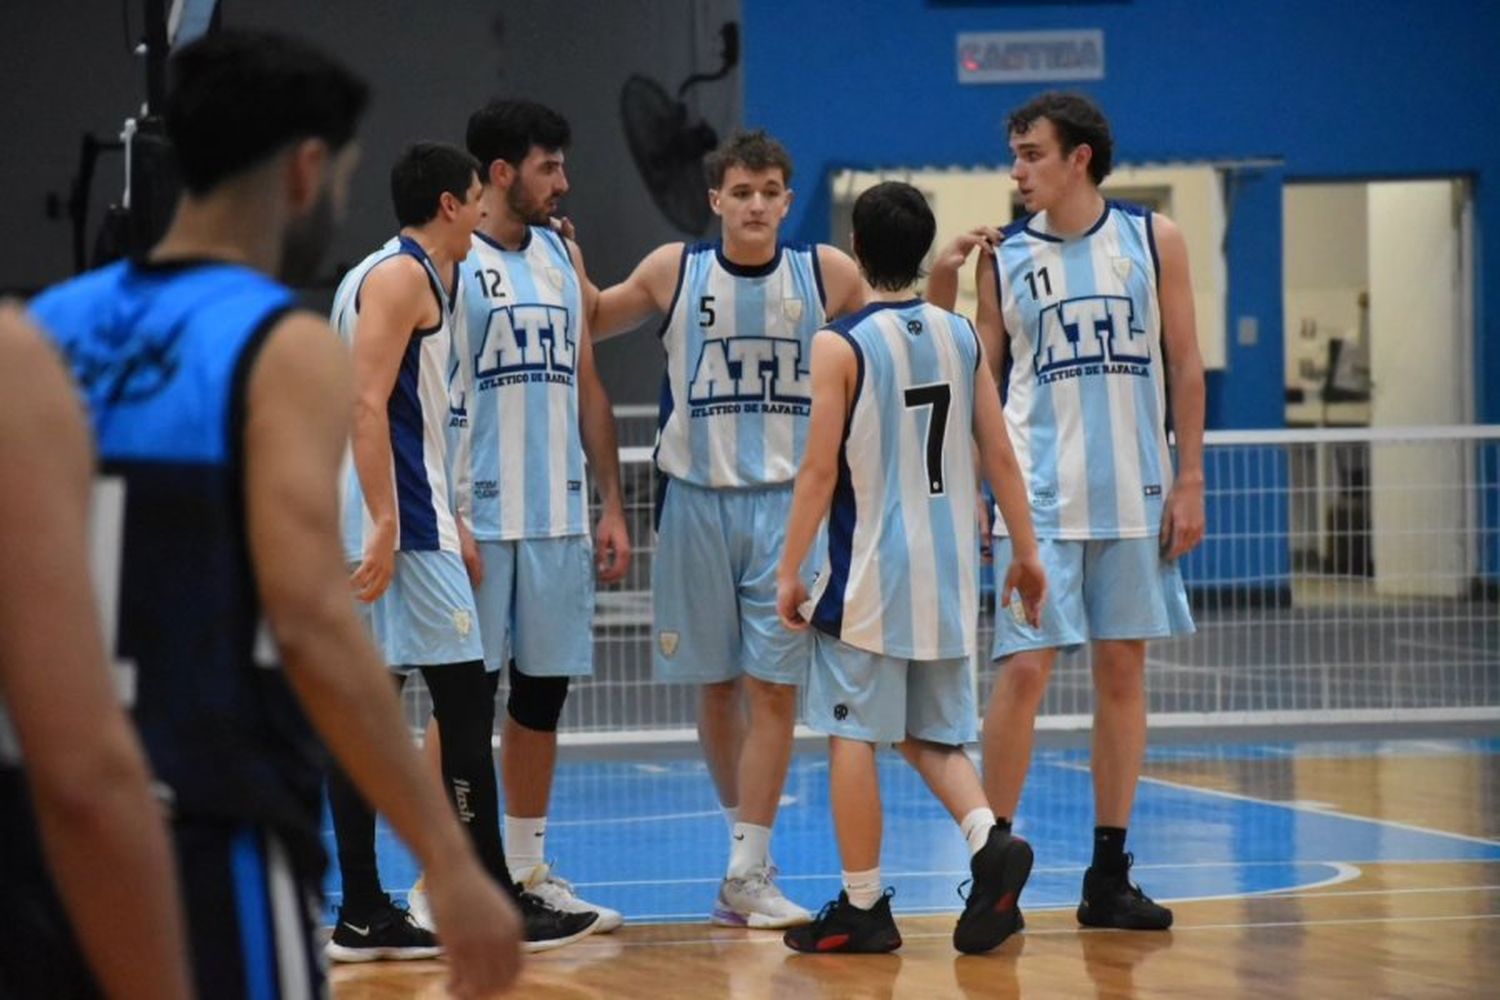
[548, 927]
[1112, 900]
[992, 912]
[379, 933]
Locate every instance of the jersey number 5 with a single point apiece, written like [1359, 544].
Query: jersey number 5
[937, 396]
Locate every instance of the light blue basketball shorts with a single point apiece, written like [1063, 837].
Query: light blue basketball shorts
[536, 603]
[427, 615]
[1110, 588]
[860, 695]
[713, 587]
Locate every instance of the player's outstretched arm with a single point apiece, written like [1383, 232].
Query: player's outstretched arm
[1001, 470]
[596, 425]
[842, 282]
[989, 321]
[942, 282]
[394, 300]
[1182, 522]
[649, 290]
[103, 831]
[834, 370]
[299, 397]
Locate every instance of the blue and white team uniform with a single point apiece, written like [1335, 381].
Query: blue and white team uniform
[162, 355]
[897, 605]
[734, 406]
[427, 615]
[529, 502]
[1086, 410]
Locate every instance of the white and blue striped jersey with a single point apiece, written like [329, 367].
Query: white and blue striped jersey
[1086, 391]
[736, 393]
[524, 309]
[418, 413]
[902, 577]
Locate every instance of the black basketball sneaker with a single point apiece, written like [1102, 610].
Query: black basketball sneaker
[992, 912]
[1112, 900]
[382, 932]
[843, 927]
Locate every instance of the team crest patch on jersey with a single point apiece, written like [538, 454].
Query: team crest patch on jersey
[1122, 266]
[792, 309]
[554, 277]
[462, 621]
[668, 642]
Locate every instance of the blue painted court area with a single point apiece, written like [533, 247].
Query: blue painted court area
[648, 838]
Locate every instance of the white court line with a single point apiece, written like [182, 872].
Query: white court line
[1448, 647]
[752, 937]
[1412, 827]
[785, 800]
[964, 872]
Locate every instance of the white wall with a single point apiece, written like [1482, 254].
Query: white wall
[1418, 337]
[1325, 268]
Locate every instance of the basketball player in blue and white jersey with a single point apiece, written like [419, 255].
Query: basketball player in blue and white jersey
[1087, 304]
[901, 400]
[87, 859]
[398, 309]
[220, 412]
[740, 315]
[535, 408]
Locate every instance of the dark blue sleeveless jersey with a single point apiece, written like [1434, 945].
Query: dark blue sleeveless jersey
[162, 355]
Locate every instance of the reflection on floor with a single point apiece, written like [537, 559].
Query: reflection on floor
[1341, 869]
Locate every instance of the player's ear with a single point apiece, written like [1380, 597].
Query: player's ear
[713, 201]
[501, 173]
[307, 164]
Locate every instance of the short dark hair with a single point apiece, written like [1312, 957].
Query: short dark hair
[1078, 121]
[425, 172]
[754, 151]
[239, 97]
[893, 230]
[506, 130]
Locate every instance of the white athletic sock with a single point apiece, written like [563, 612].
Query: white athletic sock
[748, 845]
[863, 888]
[976, 827]
[525, 845]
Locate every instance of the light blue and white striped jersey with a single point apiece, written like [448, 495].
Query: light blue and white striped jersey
[524, 310]
[736, 393]
[1086, 391]
[902, 577]
[418, 412]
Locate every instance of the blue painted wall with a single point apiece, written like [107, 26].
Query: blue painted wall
[1381, 88]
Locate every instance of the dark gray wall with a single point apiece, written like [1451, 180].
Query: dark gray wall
[68, 70]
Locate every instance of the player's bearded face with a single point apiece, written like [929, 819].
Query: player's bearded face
[536, 194]
[307, 239]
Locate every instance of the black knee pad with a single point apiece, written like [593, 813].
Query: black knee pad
[536, 702]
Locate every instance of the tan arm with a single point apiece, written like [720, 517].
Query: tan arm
[104, 833]
[649, 290]
[1182, 515]
[834, 370]
[298, 404]
[596, 425]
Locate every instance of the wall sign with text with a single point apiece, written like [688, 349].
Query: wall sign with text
[1030, 56]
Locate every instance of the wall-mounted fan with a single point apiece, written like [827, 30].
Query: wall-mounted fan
[668, 145]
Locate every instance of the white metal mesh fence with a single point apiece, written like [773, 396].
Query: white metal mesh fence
[1347, 575]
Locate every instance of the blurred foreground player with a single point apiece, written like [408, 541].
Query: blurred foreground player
[221, 413]
[77, 817]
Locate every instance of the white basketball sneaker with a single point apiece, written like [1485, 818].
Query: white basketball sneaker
[754, 901]
[558, 893]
